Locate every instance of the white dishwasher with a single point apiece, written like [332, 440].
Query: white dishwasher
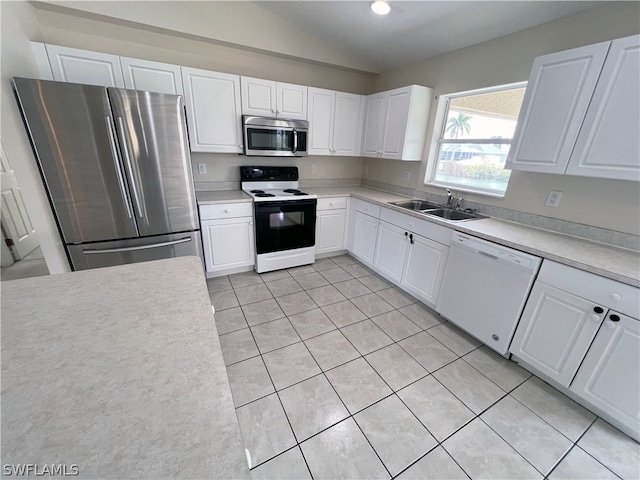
[485, 287]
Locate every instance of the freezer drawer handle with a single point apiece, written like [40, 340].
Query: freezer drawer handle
[125, 149]
[114, 154]
[96, 251]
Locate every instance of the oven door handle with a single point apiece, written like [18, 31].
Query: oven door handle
[295, 140]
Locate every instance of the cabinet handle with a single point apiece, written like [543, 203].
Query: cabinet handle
[406, 234]
[226, 210]
[598, 309]
[594, 317]
[614, 318]
[616, 297]
[410, 223]
[250, 223]
[331, 204]
[411, 238]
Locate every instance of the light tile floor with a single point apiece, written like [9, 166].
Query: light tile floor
[335, 373]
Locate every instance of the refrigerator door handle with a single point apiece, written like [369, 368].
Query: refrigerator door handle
[97, 251]
[114, 154]
[127, 157]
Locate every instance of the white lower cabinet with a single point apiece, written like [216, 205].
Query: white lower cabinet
[424, 268]
[410, 260]
[608, 377]
[555, 331]
[391, 247]
[363, 245]
[330, 225]
[577, 331]
[227, 237]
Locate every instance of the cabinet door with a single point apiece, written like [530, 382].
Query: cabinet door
[556, 100]
[213, 110]
[228, 243]
[555, 332]
[608, 378]
[82, 66]
[391, 246]
[376, 111]
[608, 146]
[346, 130]
[291, 101]
[151, 76]
[321, 115]
[395, 124]
[330, 230]
[258, 97]
[424, 268]
[364, 237]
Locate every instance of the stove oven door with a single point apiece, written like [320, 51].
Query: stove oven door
[285, 225]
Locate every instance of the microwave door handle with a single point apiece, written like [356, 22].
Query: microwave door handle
[295, 140]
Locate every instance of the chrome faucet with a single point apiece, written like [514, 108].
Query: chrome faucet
[459, 203]
[449, 198]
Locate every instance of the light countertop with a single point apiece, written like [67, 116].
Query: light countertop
[608, 261]
[119, 371]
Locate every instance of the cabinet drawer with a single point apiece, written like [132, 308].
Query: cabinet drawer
[368, 208]
[226, 210]
[332, 203]
[603, 291]
[422, 227]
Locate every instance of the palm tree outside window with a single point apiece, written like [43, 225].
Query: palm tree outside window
[473, 139]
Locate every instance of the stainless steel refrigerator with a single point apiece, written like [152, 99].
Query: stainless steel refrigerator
[117, 170]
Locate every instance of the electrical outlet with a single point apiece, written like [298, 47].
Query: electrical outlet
[407, 175]
[553, 199]
[313, 168]
[202, 168]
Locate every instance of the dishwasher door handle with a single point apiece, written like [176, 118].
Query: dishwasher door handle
[487, 254]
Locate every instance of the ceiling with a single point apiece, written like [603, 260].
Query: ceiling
[416, 30]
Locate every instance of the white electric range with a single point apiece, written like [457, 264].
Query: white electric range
[285, 217]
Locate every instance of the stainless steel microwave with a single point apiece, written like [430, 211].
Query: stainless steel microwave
[274, 137]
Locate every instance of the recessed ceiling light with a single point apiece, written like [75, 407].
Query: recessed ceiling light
[380, 7]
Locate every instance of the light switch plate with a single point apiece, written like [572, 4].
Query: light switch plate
[407, 175]
[202, 168]
[314, 169]
[553, 199]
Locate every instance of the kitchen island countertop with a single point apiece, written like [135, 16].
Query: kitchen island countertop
[119, 372]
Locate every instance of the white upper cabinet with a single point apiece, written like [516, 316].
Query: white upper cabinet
[334, 122]
[82, 66]
[42, 60]
[267, 98]
[608, 145]
[396, 123]
[580, 114]
[213, 110]
[151, 76]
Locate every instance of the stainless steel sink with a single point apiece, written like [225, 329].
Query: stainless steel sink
[416, 205]
[450, 214]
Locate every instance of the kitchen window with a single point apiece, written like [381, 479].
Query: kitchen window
[472, 138]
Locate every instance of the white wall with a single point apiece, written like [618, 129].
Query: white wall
[610, 204]
[18, 27]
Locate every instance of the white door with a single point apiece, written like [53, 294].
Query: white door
[330, 230]
[391, 246]
[608, 378]
[346, 129]
[555, 331]
[608, 145]
[424, 268]
[395, 125]
[555, 102]
[364, 237]
[228, 243]
[376, 106]
[213, 110]
[291, 102]
[321, 115]
[151, 76]
[82, 66]
[15, 219]
[258, 97]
